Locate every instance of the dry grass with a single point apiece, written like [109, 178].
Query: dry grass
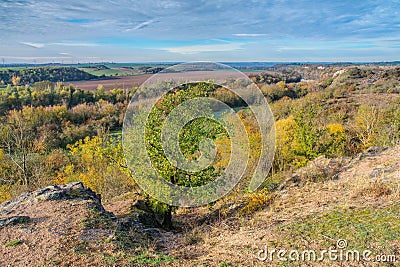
[373, 189]
[313, 215]
[68, 233]
[45, 240]
[361, 205]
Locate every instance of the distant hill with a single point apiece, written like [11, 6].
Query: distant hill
[374, 78]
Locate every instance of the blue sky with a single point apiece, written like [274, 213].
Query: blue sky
[220, 30]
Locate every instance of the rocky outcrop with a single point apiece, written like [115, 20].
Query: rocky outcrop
[70, 191]
[46, 225]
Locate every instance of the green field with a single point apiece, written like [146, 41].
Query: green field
[106, 72]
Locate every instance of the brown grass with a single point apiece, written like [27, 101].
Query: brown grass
[236, 239]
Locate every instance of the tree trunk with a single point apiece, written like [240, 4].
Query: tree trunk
[25, 170]
[167, 219]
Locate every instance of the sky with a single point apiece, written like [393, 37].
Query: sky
[37, 31]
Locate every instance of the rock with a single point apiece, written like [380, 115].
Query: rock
[153, 232]
[74, 190]
[14, 220]
[320, 169]
[373, 150]
[128, 223]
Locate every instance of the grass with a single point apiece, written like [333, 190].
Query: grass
[149, 259]
[257, 201]
[376, 188]
[376, 229]
[14, 243]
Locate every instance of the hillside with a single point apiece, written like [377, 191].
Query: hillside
[355, 199]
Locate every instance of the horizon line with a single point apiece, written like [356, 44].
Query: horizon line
[223, 62]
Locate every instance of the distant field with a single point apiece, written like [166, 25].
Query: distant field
[108, 84]
[107, 72]
[110, 72]
[119, 69]
[136, 80]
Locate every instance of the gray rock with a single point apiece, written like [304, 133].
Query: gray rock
[14, 220]
[74, 190]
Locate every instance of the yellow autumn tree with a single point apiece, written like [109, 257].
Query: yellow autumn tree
[285, 143]
[98, 163]
[15, 80]
[366, 124]
[4, 189]
[334, 140]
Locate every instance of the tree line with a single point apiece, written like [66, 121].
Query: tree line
[17, 76]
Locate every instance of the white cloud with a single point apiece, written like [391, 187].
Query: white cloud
[74, 44]
[142, 25]
[249, 34]
[34, 45]
[195, 49]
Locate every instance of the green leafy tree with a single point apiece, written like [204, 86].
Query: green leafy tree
[307, 135]
[189, 138]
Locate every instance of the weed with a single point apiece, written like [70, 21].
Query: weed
[109, 259]
[14, 243]
[375, 189]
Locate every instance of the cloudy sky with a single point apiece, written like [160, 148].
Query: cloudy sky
[219, 30]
